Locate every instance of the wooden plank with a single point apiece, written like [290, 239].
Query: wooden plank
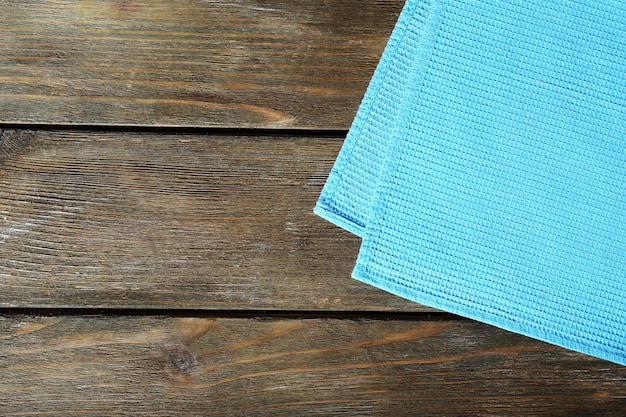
[244, 63]
[192, 366]
[140, 220]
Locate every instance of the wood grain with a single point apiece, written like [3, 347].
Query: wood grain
[221, 224]
[138, 220]
[243, 63]
[190, 366]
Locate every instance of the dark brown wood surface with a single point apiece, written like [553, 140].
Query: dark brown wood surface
[138, 220]
[192, 366]
[153, 265]
[243, 63]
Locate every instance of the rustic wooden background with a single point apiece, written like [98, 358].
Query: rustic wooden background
[159, 162]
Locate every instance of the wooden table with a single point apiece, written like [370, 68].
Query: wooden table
[159, 162]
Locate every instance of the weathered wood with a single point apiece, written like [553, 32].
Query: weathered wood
[243, 63]
[178, 221]
[173, 221]
[192, 366]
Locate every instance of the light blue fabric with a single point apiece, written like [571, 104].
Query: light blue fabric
[349, 191]
[499, 190]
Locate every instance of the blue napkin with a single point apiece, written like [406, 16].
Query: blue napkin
[349, 190]
[486, 167]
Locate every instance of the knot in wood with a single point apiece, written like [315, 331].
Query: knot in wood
[181, 357]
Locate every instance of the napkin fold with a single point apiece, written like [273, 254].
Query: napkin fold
[349, 191]
[486, 167]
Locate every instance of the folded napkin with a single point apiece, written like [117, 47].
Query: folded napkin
[486, 167]
[349, 190]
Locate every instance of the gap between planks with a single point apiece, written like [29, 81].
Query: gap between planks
[271, 315]
[180, 130]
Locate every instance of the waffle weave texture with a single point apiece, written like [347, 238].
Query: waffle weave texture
[349, 190]
[486, 167]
